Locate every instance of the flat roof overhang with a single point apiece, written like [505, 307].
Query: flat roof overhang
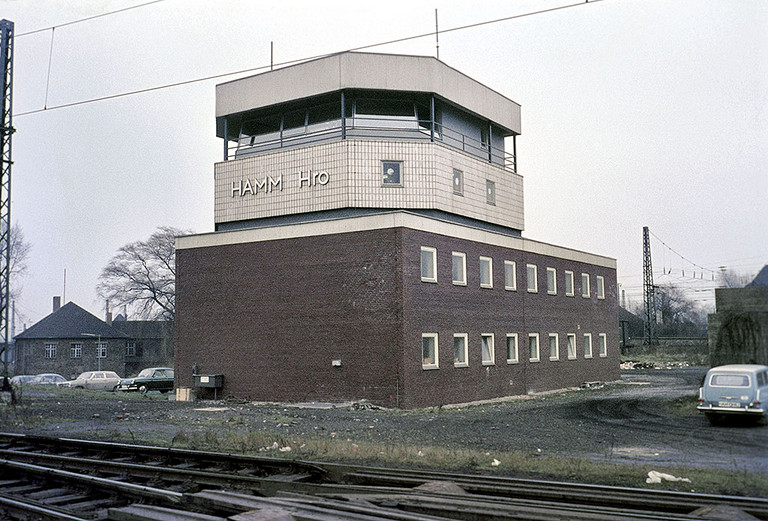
[354, 70]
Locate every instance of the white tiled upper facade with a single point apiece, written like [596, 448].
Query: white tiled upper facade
[348, 174]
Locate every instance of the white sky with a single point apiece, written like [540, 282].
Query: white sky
[635, 113]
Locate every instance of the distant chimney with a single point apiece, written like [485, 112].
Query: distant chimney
[108, 317]
[56, 304]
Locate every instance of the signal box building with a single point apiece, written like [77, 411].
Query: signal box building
[368, 245]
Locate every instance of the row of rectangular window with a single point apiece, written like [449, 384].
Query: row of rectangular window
[459, 274]
[76, 349]
[392, 175]
[429, 348]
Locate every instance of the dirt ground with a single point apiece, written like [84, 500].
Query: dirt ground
[648, 417]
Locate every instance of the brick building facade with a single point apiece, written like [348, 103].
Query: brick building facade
[379, 255]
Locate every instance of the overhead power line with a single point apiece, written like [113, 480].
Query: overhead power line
[289, 62]
[73, 22]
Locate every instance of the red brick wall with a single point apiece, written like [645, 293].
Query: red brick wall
[445, 309]
[272, 316]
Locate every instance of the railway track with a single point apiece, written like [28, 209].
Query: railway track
[66, 479]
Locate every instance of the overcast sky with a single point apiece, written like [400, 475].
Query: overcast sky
[635, 113]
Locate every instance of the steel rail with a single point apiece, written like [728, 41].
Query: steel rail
[332, 480]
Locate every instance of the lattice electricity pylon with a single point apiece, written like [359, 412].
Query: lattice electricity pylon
[6, 131]
[649, 293]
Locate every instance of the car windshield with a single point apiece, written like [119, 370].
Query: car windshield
[144, 373]
[730, 380]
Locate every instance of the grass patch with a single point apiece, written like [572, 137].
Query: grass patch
[513, 464]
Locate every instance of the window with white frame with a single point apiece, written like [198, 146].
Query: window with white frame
[554, 346]
[486, 272]
[510, 275]
[76, 350]
[459, 268]
[50, 350]
[552, 281]
[512, 356]
[429, 351]
[602, 344]
[428, 264]
[460, 355]
[130, 348]
[486, 340]
[587, 345]
[569, 291]
[571, 342]
[585, 285]
[101, 350]
[600, 287]
[391, 173]
[533, 347]
[532, 273]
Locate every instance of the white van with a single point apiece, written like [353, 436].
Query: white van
[735, 390]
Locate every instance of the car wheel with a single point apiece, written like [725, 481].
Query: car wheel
[143, 389]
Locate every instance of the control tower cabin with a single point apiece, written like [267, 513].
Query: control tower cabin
[368, 245]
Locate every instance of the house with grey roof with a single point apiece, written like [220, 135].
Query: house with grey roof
[71, 340]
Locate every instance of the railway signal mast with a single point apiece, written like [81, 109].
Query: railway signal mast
[649, 294]
[6, 131]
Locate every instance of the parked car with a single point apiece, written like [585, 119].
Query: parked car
[150, 379]
[735, 390]
[97, 380]
[47, 379]
[21, 379]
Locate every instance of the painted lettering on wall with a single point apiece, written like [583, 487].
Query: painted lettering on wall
[269, 184]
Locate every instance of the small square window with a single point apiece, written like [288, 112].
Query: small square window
[554, 347]
[512, 356]
[76, 350]
[602, 344]
[460, 356]
[458, 182]
[571, 347]
[459, 268]
[429, 351]
[428, 264]
[130, 348]
[600, 287]
[585, 285]
[569, 292]
[490, 192]
[391, 173]
[587, 345]
[510, 275]
[50, 350]
[552, 281]
[486, 272]
[101, 350]
[533, 347]
[532, 274]
[487, 348]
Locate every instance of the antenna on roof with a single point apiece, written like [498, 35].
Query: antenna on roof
[64, 293]
[437, 37]
[272, 55]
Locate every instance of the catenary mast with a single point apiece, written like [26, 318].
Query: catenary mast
[6, 131]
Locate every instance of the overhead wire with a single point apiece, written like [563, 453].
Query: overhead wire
[284, 63]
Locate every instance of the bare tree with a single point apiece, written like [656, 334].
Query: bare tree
[19, 253]
[142, 275]
[680, 316]
[732, 279]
